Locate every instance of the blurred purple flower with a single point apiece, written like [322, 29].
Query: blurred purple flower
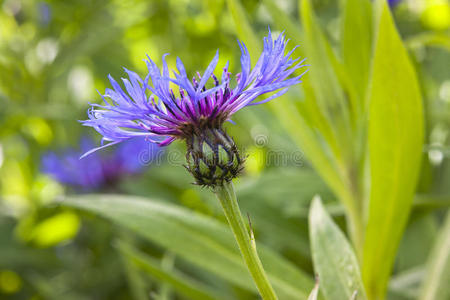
[393, 3]
[45, 13]
[99, 170]
[164, 116]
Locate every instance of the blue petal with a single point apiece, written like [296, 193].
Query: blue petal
[208, 72]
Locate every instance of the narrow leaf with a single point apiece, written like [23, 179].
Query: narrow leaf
[395, 146]
[285, 22]
[437, 275]
[324, 78]
[180, 282]
[356, 41]
[308, 140]
[244, 29]
[333, 257]
[135, 281]
[199, 240]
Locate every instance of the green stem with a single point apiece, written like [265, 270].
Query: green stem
[227, 198]
[355, 223]
[356, 229]
[353, 201]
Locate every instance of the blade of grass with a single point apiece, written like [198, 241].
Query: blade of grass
[181, 283]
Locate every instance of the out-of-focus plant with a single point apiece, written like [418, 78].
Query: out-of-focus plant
[99, 171]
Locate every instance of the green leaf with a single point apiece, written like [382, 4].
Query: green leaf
[437, 276]
[167, 265]
[135, 282]
[395, 146]
[410, 254]
[315, 292]
[324, 76]
[405, 284]
[333, 257]
[356, 41]
[244, 29]
[181, 283]
[311, 143]
[199, 240]
[285, 22]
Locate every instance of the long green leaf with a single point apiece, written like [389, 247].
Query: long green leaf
[436, 285]
[198, 239]
[296, 123]
[395, 146]
[307, 138]
[135, 281]
[181, 283]
[356, 41]
[244, 29]
[333, 257]
[325, 80]
[285, 22]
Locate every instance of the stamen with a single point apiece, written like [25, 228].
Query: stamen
[216, 81]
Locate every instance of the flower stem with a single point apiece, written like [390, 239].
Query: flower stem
[227, 198]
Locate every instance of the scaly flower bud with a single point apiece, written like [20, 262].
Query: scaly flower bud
[212, 157]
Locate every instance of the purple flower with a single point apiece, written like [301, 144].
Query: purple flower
[97, 171]
[165, 115]
[196, 112]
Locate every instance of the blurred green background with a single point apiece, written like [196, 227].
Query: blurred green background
[54, 55]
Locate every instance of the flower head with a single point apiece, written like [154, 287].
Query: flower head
[166, 115]
[197, 110]
[98, 170]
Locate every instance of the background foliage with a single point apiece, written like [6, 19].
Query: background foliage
[368, 131]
